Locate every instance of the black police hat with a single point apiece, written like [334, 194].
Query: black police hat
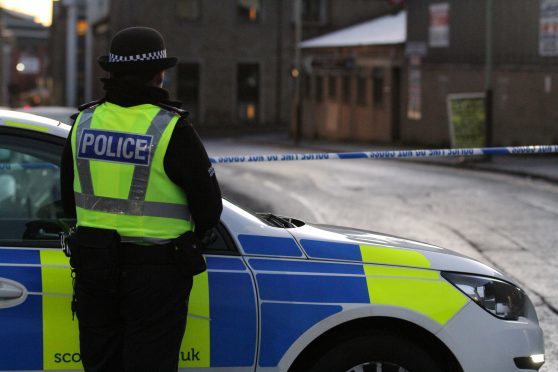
[137, 49]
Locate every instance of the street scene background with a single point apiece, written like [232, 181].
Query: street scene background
[272, 77]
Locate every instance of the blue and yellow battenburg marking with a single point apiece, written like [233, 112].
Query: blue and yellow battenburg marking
[195, 348]
[269, 246]
[221, 330]
[309, 291]
[221, 327]
[405, 283]
[222, 322]
[60, 331]
[23, 349]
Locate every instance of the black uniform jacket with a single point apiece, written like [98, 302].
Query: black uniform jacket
[186, 162]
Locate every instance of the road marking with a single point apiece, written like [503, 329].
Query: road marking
[249, 177]
[541, 205]
[273, 186]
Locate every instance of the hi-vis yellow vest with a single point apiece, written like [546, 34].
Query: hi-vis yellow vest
[119, 177]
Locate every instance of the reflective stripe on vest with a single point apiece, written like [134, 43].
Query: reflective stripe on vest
[84, 170]
[140, 179]
[132, 207]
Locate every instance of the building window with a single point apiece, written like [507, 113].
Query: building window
[332, 87]
[248, 92]
[361, 91]
[314, 11]
[346, 89]
[188, 88]
[378, 86]
[249, 10]
[188, 9]
[319, 88]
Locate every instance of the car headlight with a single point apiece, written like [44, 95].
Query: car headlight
[499, 298]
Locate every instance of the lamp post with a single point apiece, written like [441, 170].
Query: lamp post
[71, 52]
[88, 53]
[488, 111]
[3, 82]
[297, 70]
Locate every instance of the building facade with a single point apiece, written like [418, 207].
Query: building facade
[351, 82]
[235, 56]
[453, 49]
[324, 16]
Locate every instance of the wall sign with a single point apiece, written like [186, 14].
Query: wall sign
[548, 28]
[438, 31]
[467, 120]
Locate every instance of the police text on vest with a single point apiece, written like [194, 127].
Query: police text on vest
[120, 147]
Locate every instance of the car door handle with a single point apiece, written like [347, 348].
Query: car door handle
[9, 291]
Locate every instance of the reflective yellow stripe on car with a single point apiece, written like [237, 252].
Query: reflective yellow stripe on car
[61, 335]
[420, 290]
[17, 124]
[393, 256]
[60, 332]
[195, 348]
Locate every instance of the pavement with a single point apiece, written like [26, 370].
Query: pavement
[540, 166]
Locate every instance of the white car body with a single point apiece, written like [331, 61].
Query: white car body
[269, 296]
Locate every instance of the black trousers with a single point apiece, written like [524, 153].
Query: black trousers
[139, 324]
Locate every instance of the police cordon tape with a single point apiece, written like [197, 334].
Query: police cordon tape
[385, 154]
[388, 154]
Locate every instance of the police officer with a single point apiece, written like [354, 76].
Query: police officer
[137, 177]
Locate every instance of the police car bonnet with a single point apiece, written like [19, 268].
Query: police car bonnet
[137, 49]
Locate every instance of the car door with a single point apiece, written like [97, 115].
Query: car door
[221, 331]
[36, 322]
[35, 317]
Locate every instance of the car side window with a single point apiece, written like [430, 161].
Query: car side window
[218, 241]
[30, 206]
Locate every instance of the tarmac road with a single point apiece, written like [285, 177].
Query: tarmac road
[506, 221]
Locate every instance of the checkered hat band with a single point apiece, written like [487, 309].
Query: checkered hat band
[151, 56]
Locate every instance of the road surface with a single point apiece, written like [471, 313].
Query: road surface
[506, 221]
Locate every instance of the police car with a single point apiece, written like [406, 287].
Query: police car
[278, 295]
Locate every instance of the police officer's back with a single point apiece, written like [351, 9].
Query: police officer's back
[139, 181]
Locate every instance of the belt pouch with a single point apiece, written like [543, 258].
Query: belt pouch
[95, 258]
[187, 254]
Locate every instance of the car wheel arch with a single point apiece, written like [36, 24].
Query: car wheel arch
[340, 328]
